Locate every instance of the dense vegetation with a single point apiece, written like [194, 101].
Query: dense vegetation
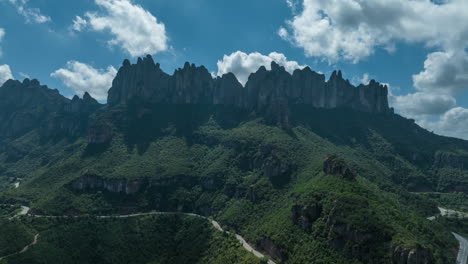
[455, 201]
[14, 236]
[248, 174]
[151, 239]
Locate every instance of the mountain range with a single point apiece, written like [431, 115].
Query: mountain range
[308, 170]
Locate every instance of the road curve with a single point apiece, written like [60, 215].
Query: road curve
[462, 257]
[463, 252]
[215, 224]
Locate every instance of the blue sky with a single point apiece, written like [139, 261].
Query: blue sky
[386, 40]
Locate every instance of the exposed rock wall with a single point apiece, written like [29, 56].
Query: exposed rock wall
[28, 105]
[92, 182]
[450, 160]
[266, 91]
[336, 166]
[419, 255]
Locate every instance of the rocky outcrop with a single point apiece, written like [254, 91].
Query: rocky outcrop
[270, 92]
[28, 105]
[418, 255]
[337, 166]
[450, 160]
[79, 106]
[305, 215]
[270, 248]
[100, 133]
[89, 182]
[142, 80]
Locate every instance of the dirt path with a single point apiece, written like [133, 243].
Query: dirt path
[34, 242]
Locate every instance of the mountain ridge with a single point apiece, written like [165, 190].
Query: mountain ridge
[255, 161]
[265, 91]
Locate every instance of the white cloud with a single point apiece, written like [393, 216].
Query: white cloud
[2, 34]
[24, 75]
[134, 29]
[352, 29]
[5, 74]
[453, 123]
[418, 105]
[444, 73]
[79, 24]
[365, 79]
[81, 78]
[243, 64]
[32, 15]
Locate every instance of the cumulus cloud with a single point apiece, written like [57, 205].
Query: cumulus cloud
[352, 29]
[79, 24]
[133, 28]
[243, 64]
[81, 78]
[5, 73]
[32, 15]
[365, 79]
[420, 104]
[453, 123]
[444, 72]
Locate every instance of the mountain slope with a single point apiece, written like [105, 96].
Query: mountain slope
[256, 162]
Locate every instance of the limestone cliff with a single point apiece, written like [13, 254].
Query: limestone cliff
[28, 105]
[269, 92]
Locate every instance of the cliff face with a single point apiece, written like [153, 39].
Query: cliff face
[28, 105]
[266, 91]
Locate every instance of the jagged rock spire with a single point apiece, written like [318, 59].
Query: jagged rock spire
[264, 90]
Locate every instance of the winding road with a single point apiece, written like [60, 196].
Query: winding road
[462, 257]
[216, 225]
[463, 252]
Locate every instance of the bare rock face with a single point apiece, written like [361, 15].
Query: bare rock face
[336, 166]
[28, 105]
[142, 80]
[192, 85]
[416, 255]
[86, 105]
[450, 160]
[267, 92]
[228, 91]
[267, 245]
[99, 133]
[92, 182]
[303, 93]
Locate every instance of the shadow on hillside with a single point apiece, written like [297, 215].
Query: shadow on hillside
[146, 123]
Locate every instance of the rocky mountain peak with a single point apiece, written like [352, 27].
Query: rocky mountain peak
[276, 67]
[29, 105]
[269, 91]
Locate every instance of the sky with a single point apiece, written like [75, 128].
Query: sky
[419, 48]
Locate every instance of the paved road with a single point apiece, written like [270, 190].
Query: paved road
[463, 252]
[215, 224]
[452, 213]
